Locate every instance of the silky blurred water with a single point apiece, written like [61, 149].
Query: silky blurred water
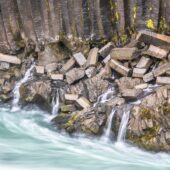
[29, 141]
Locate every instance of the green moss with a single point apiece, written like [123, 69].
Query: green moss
[124, 38]
[166, 109]
[163, 25]
[65, 108]
[145, 113]
[72, 120]
[146, 139]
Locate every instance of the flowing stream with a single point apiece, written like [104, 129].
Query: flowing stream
[16, 91]
[55, 104]
[123, 126]
[28, 141]
[108, 130]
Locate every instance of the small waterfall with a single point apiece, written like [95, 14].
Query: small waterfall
[106, 96]
[123, 125]
[55, 104]
[16, 91]
[108, 130]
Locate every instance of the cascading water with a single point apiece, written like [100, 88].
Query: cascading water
[105, 96]
[16, 91]
[108, 130]
[123, 126]
[55, 104]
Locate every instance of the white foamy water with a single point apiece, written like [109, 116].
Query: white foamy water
[16, 92]
[29, 142]
[123, 126]
[106, 96]
[55, 104]
[108, 130]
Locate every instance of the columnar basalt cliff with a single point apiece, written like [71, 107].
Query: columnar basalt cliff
[42, 20]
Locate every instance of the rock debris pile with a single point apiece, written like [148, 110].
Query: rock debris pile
[93, 81]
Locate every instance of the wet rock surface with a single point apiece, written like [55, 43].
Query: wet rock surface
[87, 98]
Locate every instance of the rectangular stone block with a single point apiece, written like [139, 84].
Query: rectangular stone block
[9, 59]
[148, 77]
[92, 57]
[4, 66]
[71, 97]
[83, 102]
[138, 72]
[51, 67]
[161, 69]
[131, 93]
[156, 52]
[39, 69]
[123, 53]
[74, 75]
[90, 72]
[107, 59]
[68, 65]
[163, 80]
[118, 67]
[57, 76]
[80, 59]
[144, 62]
[153, 38]
[141, 86]
[104, 51]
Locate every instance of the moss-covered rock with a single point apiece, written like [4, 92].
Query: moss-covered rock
[149, 122]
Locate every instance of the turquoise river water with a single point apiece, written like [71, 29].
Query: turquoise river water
[28, 141]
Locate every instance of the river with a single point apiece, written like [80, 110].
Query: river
[29, 141]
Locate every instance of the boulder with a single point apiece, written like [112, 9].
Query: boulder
[92, 57]
[4, 66]
[83, 102]
[95, 87]
[57, 76]
[90, 72]
[71, 97]
[106, 59]
[80, 59]
[123, 53]
[163, 80]
[88, 121]
[118, 67]
[149, 37]
[104, 51]
[74, 75]
[139, 72]
[106, 72]
[68, 65]
[38, 92]
[39, 69]
[144, 62]
[128, 83]
[156, 52]
[148, 122]
[116, 101]
[131, 93]
[161, 69]
[141, 86]
[51, 67]
[148, 77]
[9, 59]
